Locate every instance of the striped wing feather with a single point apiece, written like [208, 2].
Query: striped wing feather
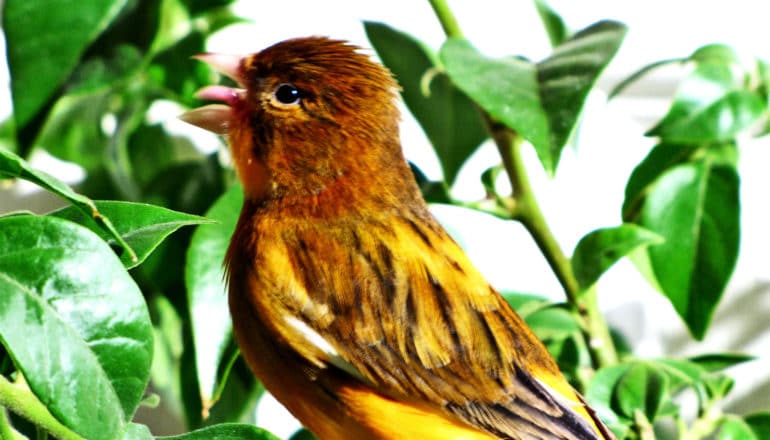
[413, 316]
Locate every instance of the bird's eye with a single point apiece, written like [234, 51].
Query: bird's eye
[287, 94]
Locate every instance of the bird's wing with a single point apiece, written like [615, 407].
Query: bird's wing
[405, 310]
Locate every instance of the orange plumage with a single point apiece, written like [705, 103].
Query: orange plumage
[349, 301]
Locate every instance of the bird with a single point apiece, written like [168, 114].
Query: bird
[349, 301]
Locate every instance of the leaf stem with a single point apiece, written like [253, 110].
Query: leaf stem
[22, 402]
[526, 209]
[6, 432]
[446, 18]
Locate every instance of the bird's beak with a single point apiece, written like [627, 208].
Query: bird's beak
[216, 117]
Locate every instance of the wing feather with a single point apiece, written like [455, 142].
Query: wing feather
[414, 317]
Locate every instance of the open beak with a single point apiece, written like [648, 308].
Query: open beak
[216, 117]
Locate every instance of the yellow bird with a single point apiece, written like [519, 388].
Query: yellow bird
[350, 302]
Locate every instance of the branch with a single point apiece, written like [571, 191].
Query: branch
[21, 401]
[526, 209]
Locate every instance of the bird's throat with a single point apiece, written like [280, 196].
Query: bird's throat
[252, 172]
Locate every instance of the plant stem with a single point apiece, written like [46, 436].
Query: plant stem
[527, 210]
[446, 18]
[22, 402]
[6, 432]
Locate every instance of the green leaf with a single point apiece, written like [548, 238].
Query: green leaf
[566, 77]
[734, 428]
[541, 102]
[449, 119]
[695, 208]
[711, 105]
[600, 391]
[302, 434]
[681, 372]
[759, 424]
[720, 361]
[239, 391]
[142, 226]
[570, 353]
[600, 249]
[207, 292]
[552, 22]
[74, 322]
[44, 43]
[640, 387]
[135, 431]
[718, 386]
[12, 165]
[153, 152]
[197, 7]
[506, 88]
[226, 431]
[100, 73]
[553, 323]
[73, 131]
[175, 71]
[525, 303]
[715, 54]
[659, 160]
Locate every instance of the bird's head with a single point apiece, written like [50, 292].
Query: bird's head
[306, 113]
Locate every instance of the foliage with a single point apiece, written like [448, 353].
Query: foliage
[101, 298]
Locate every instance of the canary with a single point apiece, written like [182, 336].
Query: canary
[349, 301]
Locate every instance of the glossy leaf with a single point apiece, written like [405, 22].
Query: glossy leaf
[207, 292]
[553, 323]
[695, 208]
[75, 323]
[99, 74]
[197, 7]
[541, 101]
[174, 70]
[235, 400]
[12, 165]
[711, 105]
[226, 431]
[718, 385]
[552, 22]
[759, 424]
[597, 251]
[73, 130]
[715, 54]
[681, 372]
[525, 304]
[143, 226]
[506, 88]
[734, 428]
[449, 119]
[44, 43]
[600, 392]
[720, 361]
[659, 160]
[568, 74]
[135, 431]
[640, 387]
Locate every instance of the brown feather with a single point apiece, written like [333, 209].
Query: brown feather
[335, 234]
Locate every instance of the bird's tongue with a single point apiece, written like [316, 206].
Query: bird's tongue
[216, 117]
